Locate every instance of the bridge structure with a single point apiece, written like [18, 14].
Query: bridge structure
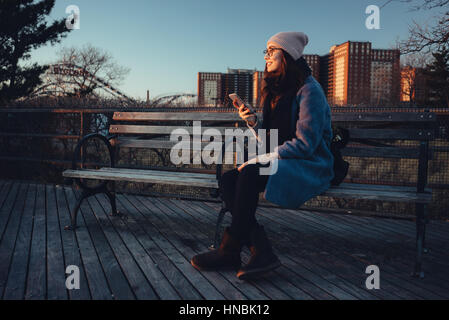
[68, 80]
[171, 98]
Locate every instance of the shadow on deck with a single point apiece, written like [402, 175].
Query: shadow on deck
[145, 252]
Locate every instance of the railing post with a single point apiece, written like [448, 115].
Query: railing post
[81, 136]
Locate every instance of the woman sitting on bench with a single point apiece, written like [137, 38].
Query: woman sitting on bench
[294, 104]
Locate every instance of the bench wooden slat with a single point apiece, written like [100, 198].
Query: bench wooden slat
[381, 152]
[361, 186]
[394, 195]
[363, 133]
[146, 177]
[405, 117]
[356, 151]
[156, 144]
[392, 134]
[233, 116]
[367, 192]
[162, 173]
[139, 129]
[179, 116]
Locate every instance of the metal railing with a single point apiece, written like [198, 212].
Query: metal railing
[38, 143]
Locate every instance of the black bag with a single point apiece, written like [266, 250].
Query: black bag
[339, 141]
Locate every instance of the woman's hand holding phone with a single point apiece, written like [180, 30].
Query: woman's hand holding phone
[246, 112]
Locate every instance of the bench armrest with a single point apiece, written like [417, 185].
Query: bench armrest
[86, 138]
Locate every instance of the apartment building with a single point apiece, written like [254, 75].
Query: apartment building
[385, 77]
[210, 89]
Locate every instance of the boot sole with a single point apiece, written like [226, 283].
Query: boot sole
[255, 273]
[224, 268]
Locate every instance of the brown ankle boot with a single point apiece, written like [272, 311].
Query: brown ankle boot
[262, 257]
[227, 256]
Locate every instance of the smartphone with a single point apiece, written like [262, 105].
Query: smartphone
[235, 97]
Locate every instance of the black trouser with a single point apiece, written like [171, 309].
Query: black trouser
[240, 192]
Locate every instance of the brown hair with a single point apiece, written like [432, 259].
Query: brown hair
[284, 82]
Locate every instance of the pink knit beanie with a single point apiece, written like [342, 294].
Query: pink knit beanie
[292, 42]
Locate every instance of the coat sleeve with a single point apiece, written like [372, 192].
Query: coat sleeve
[309, 127]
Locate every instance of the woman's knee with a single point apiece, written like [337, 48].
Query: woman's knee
[229, 179]
[249, 171]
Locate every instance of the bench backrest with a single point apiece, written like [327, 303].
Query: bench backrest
[371, 133]
[148, 129]
[362, 126]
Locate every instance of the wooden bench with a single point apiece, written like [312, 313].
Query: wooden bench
[370, 132]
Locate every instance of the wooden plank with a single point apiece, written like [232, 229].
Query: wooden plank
[6, 188]
[361, 133]
[366, 229]
[154, 276]
[206, 290]
[385, 245]
[150, 238]
[296, 287]
[295, 272]
[233, 116]
[335, 244]
[91, 265]
[379, 187]
[406, 117]
[392, 134]
[191, 231]
[70, 246]
[311, 244]
[338, 244]
[37, 273]
[162, 173]
[378, 195]
[380, 152]
[130, 269]
[147, 178]
[15, 286]
[167, 130]
[178, 116]
[180, 234]
[395, 231]
[188, 232]
[109, 268]
[308, 280]
[164, 144]
[10, 193]
[56, 288]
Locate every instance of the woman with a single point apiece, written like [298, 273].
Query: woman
[294, 104]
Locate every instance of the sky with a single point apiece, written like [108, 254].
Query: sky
[165, 43]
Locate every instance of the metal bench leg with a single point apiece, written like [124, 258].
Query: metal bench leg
[420, 239]
[221, 215]
[73, 214]
[112, 200]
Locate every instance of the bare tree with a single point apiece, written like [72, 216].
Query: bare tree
[426, 37]
[411, 68]
[90, 68]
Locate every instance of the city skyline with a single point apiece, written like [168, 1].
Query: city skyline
[166, 44]
[352, 73]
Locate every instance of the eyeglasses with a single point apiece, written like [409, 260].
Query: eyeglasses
[270, 51]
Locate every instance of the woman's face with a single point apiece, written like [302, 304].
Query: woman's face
[273, 57]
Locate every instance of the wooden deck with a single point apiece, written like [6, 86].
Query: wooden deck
[145, 253]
